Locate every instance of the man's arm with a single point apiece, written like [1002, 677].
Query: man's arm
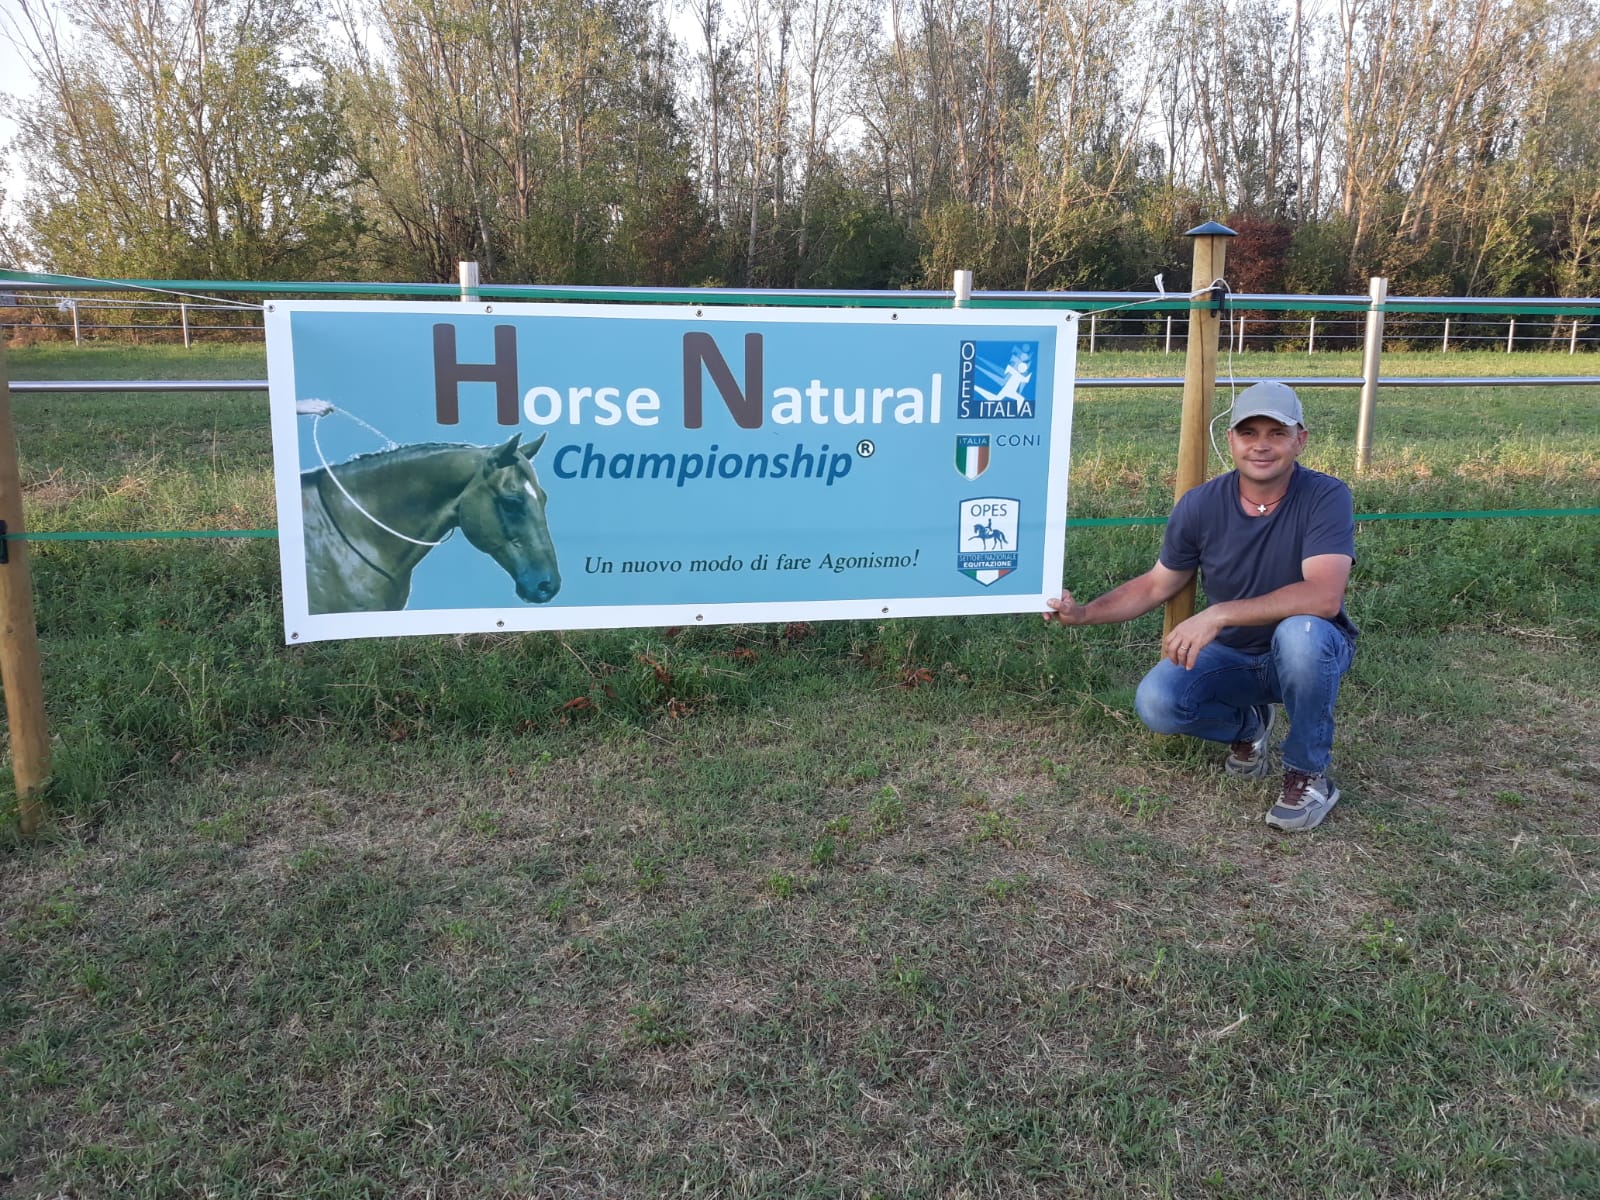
[1123, 603]
[1319, 594]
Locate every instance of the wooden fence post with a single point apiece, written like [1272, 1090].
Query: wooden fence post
[1199, 379]
[19, 638]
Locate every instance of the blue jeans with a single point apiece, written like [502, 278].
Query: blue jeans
[1216, 699]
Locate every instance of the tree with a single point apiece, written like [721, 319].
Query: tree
[519, 134]
[1247, 100]
[178, 138]
[1078, 154]
[830, 48]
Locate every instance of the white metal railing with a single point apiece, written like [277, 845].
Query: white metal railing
[1244, 330]
[89, 316]
[87, 319]
[1082, 382]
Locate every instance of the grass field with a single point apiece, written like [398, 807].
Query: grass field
[901, 909]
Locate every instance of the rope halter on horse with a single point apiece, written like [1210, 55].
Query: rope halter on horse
[317, 409]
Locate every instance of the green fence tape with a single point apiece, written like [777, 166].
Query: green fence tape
[1468, 515]
[1462, 515]
[1072, 523]
[1133, 303]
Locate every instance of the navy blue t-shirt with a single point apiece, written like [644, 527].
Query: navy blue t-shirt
[1241, 557]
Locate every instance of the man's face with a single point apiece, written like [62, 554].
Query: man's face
[1265, 450]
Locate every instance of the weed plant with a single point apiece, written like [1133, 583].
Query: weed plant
[906, 908]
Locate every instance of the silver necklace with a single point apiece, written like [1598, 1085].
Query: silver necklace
[1261, 509]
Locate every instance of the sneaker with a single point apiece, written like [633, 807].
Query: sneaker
[1250, 758]
[1305, 801]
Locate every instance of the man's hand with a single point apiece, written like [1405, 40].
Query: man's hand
[1188, 638]
[1122, 603]
[1065, 611]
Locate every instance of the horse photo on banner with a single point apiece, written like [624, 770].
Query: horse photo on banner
[448, 468]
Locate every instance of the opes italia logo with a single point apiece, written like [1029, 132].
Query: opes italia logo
[998, 381]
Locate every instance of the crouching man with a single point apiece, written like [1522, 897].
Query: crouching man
[1274, 543]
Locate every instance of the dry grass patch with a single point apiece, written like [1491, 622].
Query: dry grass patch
[563, 997]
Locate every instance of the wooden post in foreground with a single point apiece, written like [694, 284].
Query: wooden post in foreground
[1199, 380]
[19, 640]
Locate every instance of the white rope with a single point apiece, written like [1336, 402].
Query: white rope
[1233, 386]
[316, 410]
[1161, 299]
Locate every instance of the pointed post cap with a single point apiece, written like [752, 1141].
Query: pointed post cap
[1211, 229]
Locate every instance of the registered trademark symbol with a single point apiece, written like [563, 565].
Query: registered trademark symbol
[865, 448]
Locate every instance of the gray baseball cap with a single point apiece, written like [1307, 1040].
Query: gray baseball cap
[1269, 398]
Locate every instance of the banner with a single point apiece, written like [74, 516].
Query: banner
[448, 468]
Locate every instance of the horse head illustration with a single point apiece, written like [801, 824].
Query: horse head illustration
[502, 514]
[371, 520]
